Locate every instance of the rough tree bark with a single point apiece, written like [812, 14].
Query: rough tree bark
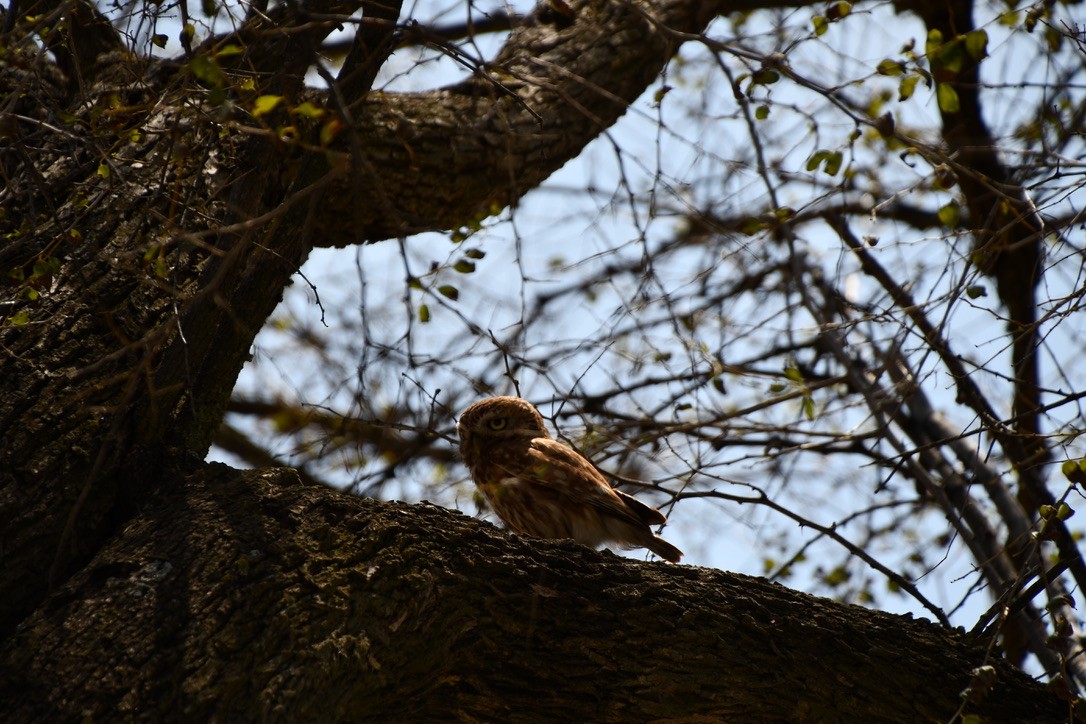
[250, 595]
[149, 227]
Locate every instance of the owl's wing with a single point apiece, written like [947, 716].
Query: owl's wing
[647, 514]
[567, 473]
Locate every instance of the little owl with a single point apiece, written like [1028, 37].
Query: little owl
[542, 488]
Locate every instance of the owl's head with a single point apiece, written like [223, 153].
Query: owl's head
[497, 419]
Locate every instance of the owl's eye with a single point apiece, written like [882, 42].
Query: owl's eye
[497, 423]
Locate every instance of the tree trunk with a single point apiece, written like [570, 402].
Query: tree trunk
[247, 595]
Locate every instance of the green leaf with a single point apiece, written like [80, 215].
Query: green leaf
[950, 59]
[19, 318]
[1064, 511]
[751, 226]
[934, 40]
[103, 170]
[206, 70]
[330, 130]
[976, 44]
[448, 290]
[908, 87]
[464, 266]
[761, 112]
[821, 25]
[265, 104]
[309, 110]
[474, 253]
[950, 215]
[890, 67]
[229, 50]
[948, 98]
[809, 407]
[1075, 471]
[839, 10]
[42, 268]
[765, 76]
[159, 40]
[833, 163]
[830, 161]
[424, 314]
[976, 290]
[816, 159]
[1053, 39]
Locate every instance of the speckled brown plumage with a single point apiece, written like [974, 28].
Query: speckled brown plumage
[542, 488]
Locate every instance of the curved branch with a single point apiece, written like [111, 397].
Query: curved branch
[548, 93]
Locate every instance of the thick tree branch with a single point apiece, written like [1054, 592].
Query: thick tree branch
[551, 90]
[358, 610]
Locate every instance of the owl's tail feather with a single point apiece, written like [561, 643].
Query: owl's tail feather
[665, 550]
[650, 516]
